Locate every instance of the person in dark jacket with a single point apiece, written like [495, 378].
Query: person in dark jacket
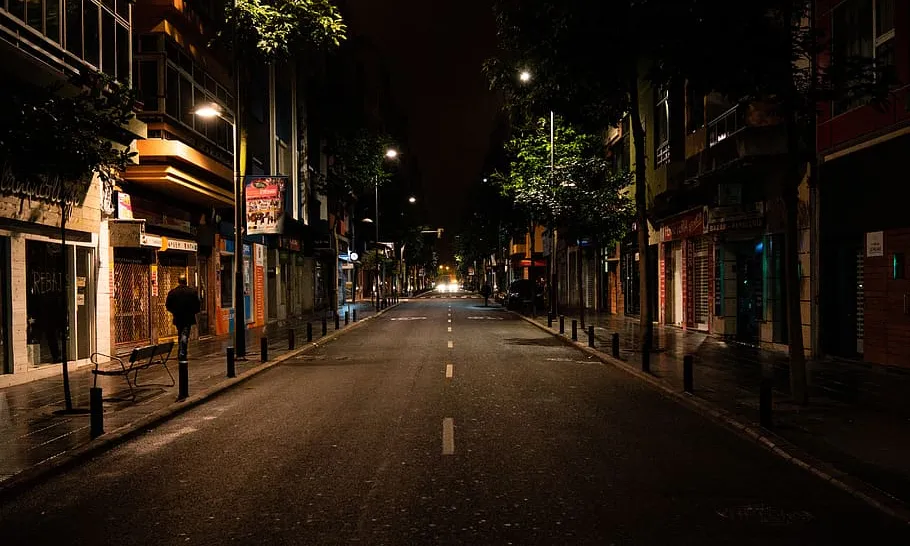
[183, 303]
[486, 291]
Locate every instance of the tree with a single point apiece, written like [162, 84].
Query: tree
[62, 136]
[581, 197]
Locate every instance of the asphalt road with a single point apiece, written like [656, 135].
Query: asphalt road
[367, 441]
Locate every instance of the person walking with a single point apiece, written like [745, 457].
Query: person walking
[183, 303]
[485, 292]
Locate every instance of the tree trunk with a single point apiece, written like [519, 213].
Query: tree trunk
[64, 335]
[798, 375]
[531, 273]
[641, 214]
[581, 288]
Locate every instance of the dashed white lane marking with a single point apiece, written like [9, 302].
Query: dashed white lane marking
[450, 371]
[450, 321]
[451, 344]
[448, 436]
[450, 328]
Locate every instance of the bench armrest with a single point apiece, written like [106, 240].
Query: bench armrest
[110, 358]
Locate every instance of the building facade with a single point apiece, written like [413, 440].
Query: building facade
[45, 43]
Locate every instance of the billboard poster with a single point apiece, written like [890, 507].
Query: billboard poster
[265, 204]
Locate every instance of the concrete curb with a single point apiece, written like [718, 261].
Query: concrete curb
[874, 497]
[50, 467]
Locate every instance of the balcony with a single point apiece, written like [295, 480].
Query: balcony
[744, 133]
[518, 249]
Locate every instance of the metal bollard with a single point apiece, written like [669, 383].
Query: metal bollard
[574, 330]
[183, 379]
[688, 378]
[590, 336]
[615, 342]
[337, 321]
[347, 318]
[325, 327]
[96, 410]
[291, 339]
[309, 332]
[562, 324]
[264, 349]
[549, 320]
[231, 370]
[764, 403]
[355, 315]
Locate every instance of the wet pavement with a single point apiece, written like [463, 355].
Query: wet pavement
[858, 417]
[33, 429]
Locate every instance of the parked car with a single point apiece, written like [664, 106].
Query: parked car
[519, 296]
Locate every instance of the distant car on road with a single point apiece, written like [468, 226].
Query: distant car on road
[518, 297]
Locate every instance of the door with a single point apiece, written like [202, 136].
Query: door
[130, 302]
[202, 285]
[701, 279]
[748, 291]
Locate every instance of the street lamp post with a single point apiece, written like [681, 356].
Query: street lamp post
[213, 111]
[525, 77]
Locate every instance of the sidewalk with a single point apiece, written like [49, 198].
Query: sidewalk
[858, 418]
[33, 431]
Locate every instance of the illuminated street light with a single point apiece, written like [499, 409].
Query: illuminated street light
[525, 76]
[412, 199]
[208, 111]
[391, 153]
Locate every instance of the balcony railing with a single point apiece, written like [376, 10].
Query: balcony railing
[726, 125]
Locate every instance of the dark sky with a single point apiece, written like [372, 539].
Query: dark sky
[435, 50]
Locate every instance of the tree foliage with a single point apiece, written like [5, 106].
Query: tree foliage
[357, 163]
[582, 196]
[64, 132]
[279, 29]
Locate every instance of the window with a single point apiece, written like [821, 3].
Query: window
[123, 54]
[695, 103]
[17, 8]
[34, 15]
[862, 29]
[74, 27]
[52, 20]
[92, 33]
[148, 85]
[227, 282]
[108, 43]
[172, 95]
[662, 128]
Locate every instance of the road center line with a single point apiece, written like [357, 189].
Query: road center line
[450, 328]
[450, 371]
[451, 344]
[448, 436]
[450, 321]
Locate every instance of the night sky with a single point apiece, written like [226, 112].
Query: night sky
[435, 50]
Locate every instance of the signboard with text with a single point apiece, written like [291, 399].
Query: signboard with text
[265, 204]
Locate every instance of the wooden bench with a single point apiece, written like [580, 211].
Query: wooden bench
[139, 359]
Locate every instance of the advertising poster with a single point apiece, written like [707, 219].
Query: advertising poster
[265, 204]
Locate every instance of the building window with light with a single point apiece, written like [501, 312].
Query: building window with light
[662, 128]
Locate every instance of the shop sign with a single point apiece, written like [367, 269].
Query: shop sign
[347, 265]
[150, 240]
[265, 204]
[749, 216]
[875, 244]
[124, 206]
[39, 187]
[178, 244]
[153, 274]
[691, 224]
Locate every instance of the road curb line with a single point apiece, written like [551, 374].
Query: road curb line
[55, 465]
[869, 494]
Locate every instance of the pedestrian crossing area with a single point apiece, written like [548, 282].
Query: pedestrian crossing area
[452, 297]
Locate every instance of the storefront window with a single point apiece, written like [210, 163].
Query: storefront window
[227, 282]
[44, 301]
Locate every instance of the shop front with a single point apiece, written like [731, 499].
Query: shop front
[146, 267]
[255, 264]
[684, 277]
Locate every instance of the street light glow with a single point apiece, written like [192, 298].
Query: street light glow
[208, 111]
[391, 153]
[412, 199]
[525, 76]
